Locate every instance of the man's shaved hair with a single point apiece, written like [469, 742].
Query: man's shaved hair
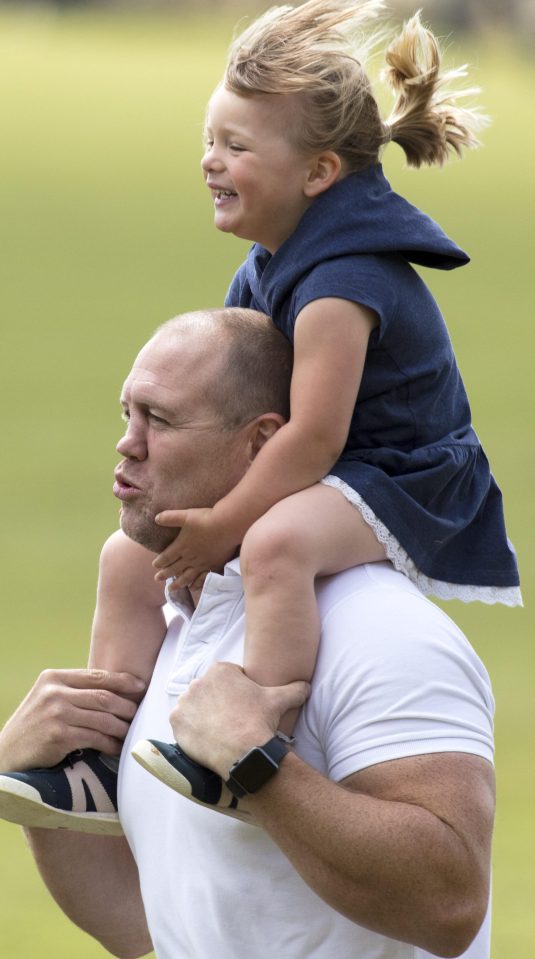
[256, 362]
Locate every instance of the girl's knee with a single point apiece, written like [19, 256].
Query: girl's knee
[272, 550]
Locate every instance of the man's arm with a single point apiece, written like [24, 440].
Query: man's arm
[402, 848]
[93, 879]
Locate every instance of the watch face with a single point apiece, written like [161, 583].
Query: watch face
[254, 770]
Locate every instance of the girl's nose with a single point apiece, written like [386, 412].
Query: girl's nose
[211, 160]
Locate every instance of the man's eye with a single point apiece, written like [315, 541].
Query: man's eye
[157, 419]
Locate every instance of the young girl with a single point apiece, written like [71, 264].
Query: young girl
[379, 459]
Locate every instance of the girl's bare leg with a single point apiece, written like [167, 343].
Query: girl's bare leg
[315, 532]
[129, 624]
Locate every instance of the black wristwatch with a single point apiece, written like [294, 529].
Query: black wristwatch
[258, 765]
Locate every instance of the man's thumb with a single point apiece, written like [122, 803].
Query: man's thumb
[293, 695]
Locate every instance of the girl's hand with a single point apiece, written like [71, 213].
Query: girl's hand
[202, 545]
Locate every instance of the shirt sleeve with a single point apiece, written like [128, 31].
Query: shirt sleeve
[373, 281]
[396, 678]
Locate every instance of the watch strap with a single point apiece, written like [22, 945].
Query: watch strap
[274, 752]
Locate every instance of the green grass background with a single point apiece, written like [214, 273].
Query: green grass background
[106, 232]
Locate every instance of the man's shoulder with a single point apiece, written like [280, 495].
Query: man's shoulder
[382, 604]
[370, 583]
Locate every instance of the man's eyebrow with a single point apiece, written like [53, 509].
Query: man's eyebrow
[148, 403]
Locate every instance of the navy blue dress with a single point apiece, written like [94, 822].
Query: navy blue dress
[412, 458]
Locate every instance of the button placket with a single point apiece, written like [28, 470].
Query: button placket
[219, 600]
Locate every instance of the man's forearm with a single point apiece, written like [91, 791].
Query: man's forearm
[402, 848]
[95, 882]
[392, 867]
[94, 879]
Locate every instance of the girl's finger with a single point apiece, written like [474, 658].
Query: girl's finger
[199, 582]
[171, 517]
[186, 578]
[172, 554]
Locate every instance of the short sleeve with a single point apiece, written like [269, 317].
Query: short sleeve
[396, 678]
[372, 281]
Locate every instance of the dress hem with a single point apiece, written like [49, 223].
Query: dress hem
[401, 561]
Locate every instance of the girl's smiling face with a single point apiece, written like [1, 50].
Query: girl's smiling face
[260, 182]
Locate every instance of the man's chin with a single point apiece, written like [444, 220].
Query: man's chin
[143, 530]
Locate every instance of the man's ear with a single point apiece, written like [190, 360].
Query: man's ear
[261, 430]
[324, 170]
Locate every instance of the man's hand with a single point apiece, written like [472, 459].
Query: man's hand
[223, 714]
[203, 544]
[69, 709]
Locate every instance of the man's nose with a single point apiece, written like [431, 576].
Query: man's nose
[133, 444]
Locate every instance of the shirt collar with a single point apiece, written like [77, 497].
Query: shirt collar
[180, 601]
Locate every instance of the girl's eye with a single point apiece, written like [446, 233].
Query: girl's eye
[236, 148]
[125, 415]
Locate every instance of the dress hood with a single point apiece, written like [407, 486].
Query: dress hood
[360, 214]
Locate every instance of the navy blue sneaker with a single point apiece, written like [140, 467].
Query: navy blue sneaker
[173, 767]
[79, 794]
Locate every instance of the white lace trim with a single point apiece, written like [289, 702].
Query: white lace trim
[509, 596]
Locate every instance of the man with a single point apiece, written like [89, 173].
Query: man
[371, 838]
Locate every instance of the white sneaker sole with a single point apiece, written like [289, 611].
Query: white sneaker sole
[152, 760]
[20, 803]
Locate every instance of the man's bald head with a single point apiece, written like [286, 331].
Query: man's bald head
[255, 361]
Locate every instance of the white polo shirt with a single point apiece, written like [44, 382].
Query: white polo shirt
[395, 678]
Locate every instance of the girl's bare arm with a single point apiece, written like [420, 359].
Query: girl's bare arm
[330, 344]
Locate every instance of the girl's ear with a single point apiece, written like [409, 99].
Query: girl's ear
[324, 170]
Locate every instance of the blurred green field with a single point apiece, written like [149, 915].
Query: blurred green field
[106, 232]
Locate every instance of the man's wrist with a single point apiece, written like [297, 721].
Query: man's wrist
[234, 746]
[13, 754]
[257, 766]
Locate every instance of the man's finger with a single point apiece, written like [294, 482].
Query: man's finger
[108, 724]
[91, 739]
[122, 683]
[101, 701]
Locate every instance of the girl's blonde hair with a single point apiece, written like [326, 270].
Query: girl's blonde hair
[318, 51]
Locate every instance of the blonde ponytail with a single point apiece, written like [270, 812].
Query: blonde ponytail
[316, 52]
[427, 122]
